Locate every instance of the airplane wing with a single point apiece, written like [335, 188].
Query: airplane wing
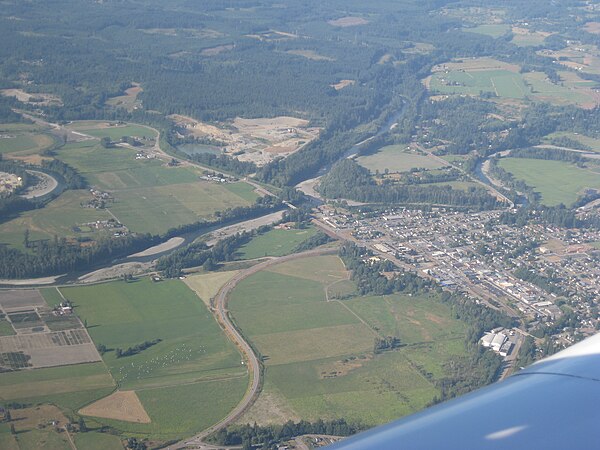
[553, 404]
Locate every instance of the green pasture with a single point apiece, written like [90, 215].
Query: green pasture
[156, 209]
[97, 441]
[556, 181]
[318, 355]
[24, 143]
[503, 83]
[243, 190]
[414, 319]
[564, 93]
[395, 158]
[275, 243]
[528, 40]
[150, 197]
[116, 132]
[56, 219]
[122, 315]
[66, 385]
[181, 410]
[494, 30]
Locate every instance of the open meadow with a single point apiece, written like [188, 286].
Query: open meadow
[485, 75]
[57, 218]
[149, 196]
[277, 242]
[318, 354]
[556, 181]
[396, 158]
[189, 363]
[494, 30]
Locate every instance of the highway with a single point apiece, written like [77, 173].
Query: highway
[219, 308]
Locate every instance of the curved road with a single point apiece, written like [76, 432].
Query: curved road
[219, 307]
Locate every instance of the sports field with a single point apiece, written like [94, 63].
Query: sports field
[276, 242]
[556, 181]
[319, 354]
[396, 158]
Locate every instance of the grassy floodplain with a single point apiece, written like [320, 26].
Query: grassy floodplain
[397, 159]
[275, 242]
[319, 354]
[556, 181]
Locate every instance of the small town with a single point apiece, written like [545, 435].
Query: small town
[534, 273]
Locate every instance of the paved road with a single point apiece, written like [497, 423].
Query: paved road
[219, 306]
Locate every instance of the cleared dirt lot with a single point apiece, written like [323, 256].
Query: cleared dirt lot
[257, 140]
[18, 298]
[42, 339]
[52, 349]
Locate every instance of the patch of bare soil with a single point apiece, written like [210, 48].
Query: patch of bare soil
[348, 22]
[121, 405]
[342, 84]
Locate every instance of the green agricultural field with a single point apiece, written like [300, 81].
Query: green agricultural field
[56, 219]
[115, 132]
[493, 30]
[180, 410]
[396, 158]
[24, 143]
[65, 384]
[528, 40]
[193, 365]
[556, 181]
[156, 209]
[243, 190]
[122, 315]
[502, 83]
[96, 441]
[563, 93]
[150, 197]
[275, 243]
[319, 354]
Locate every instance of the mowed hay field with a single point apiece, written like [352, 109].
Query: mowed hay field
[276, 242]
[149, 196]
[318, 354]
[556, 181]
[502, 83]
[189, 380]
[24, 143]
[396, 158]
